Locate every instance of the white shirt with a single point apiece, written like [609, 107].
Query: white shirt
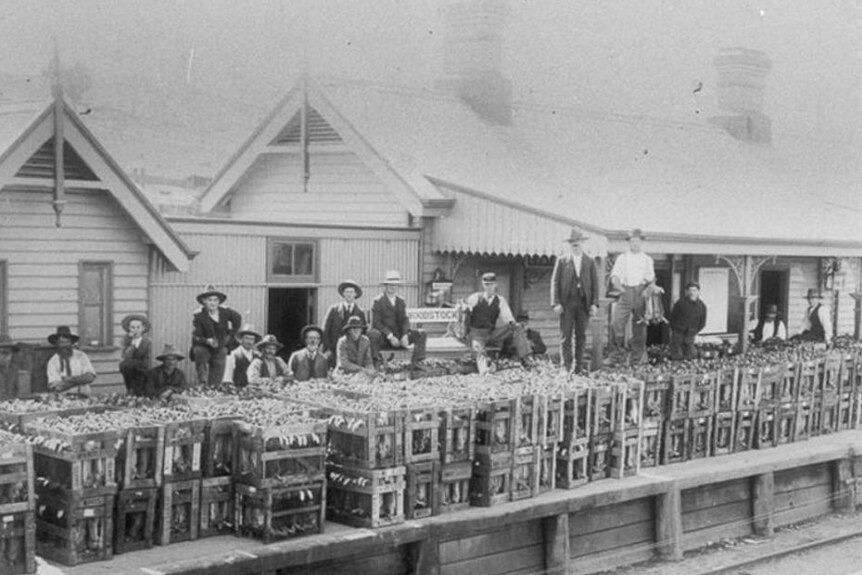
[576, 259]
[505, 316]
[230, 363]
[633, 269]
[825, 315]
[79, 364]
[768, 327]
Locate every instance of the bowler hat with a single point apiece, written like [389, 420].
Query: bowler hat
[692, 284]
[62, 331]
[170, 351]
[489, 277]
[269, 339]
[248, 329]
[8, 342]
[210, 290]
[352, 322]
[575, 237]
[347, 284]
[392, 277]
[635, 233]
[771, 309]
[813, 293]
[132, 317]
[309, 328]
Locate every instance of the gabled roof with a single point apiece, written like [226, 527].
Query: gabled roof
[26, 127]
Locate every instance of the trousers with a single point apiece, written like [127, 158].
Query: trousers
[573, 323]
[416, 337]
[630, 308]
[209, 364]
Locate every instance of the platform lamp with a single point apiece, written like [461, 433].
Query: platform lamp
[439, 290]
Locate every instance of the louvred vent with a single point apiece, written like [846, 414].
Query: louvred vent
[319, 130]
[41, 164]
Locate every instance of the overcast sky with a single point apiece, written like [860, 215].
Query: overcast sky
[630, 56]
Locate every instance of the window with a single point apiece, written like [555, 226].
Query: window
[292, 261]
[4, 298]
[95, 309]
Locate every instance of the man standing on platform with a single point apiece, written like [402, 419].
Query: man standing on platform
[632, 273]
[390, 326]
[575, 299]
[239, 360]
[69, 370]
[338, 315]
[687, 318]
[818, 319]
[491, 324]
[215, 327]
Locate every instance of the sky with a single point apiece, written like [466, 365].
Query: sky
[624, 56]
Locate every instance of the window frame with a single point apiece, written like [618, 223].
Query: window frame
[292, 279]
[107, 330]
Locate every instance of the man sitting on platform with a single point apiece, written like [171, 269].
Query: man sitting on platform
[390, 324]
[69, 370]
[309, 362]
[490, 323]
[166, 379]
[239, 360]
[268, 367]
[354, 349]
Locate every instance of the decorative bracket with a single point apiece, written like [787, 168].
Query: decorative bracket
[745, 269]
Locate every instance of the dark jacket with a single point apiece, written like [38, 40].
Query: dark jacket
[333, 325]
[535, 339]
[565, 282]
[688, 316]
[229, 322]
[303, 368]
[390, 319]
[352, 355]
[159, 380]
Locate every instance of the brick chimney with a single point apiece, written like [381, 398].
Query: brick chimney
[472, 35]
[741, 81]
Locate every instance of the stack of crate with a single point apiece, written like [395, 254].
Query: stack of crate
[846, 390]
[457, 450]
[551, 433]
[572, 451]
[627, 438]
[773, 419]
[139, 468]
[17, 506]
[747, 402]
[655, 404]
[724, 421]
[422, 462]
[217, 486]
[812, 374]
[496, 426]
[691, 414]
[529, 439]
[604, 411]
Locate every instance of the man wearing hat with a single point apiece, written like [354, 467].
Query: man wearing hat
[534, 338]
[239, 360]
[490, 323]
[574, 298]
[309, 362]
[8, 368]
[215, 327]
[268, 367]
[390, 326]
[817, 325]
[337, 316]
[354, 349]
[768, 327]
[166, 379]
[632, 273]
[687, 318]
[69, 369]
[135, 361]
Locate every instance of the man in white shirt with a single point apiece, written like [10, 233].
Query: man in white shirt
[768, 327]
[817, 325]
[633, 271]
[491, 323]
[69, 370]
[239, 360]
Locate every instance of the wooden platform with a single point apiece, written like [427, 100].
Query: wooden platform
[661, 512]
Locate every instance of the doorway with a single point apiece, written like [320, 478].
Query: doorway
[659, 334]
[773, 291]
[289, 310]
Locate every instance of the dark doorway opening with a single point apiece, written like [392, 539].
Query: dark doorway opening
[659, 334]
[289, 310]
[773, 291]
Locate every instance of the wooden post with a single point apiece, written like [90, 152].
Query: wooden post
[763, 504]
[668, 524]
[556, 530]
[857, 314]
[746, 301]
[424, 557]
[843, 486]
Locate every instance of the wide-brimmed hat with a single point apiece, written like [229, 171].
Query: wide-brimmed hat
[269, 339]
[248, 329]
[210, 290]
[347, 284]
[62, 331]
[575, 237]
[489, 277]
[135, 316]
[392, 277]
[813, 293]
[6, 341]
[170, 351]
[352, 322]
[771, 309]
[636, 233]
[309, 328]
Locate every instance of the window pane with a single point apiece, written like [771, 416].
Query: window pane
[91, 285]
[282, 259]
[91, 330]
[304, 259]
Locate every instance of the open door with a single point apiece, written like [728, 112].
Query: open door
[289, 310]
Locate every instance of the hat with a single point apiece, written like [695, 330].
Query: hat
[210, 290]
[392, 277]
[771, 309]
[135, 316]
[6, 341]
[347, 284]
[170, 351]
[269, 339]
[522, 316]
[635, 233]
[352, 322]
[309, 328]
[489, 277]
[248, 329]
[576, 237]
[814, 293]
[692, 284]
[62, 331]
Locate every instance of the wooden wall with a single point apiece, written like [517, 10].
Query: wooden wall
[511, 549]
[43, 260]
[613, 535]
[803, 493]
[713, 512]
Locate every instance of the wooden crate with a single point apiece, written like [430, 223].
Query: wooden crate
[650, 451]
[18, 421]
[365, 497]
[722, 433]
[217, 506]
[547, 468]
[422, 484]
[785, 423]
[804, 419]
[183, 458]
[527, 417]
[84, 465]
[279, 456]
[525, 473]
[656, 402]
[139, 461]
[771, 382]
[178, 511]
[680, 397]
[571, 465]
[550, 426]
[576, 415]
[702, 390]
[491, 482]
[789, 390]
[599, 457]
[496, 426]
[812, 374]
[219, 447]
[421, 436]
[603, 410]
[699, 441]
[457, 435]
[745, 430]
[277, 513]
[766, 424]
[73, 529]
[134, 519]
[675, 441]
[726, 390]
[454, 489]
[629, 405]
[829, 406]
[18, 542]
[16, 478]
[625, 458]
[748, 389]
[366, 440]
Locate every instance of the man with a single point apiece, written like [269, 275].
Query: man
[166, 379]
[687, 318]
[768, 327]
[239, 360]
[817, 325]
[354, 349]
[534, 338]
[69, 369]
[574, 298]
[135, 362]
[309, 362]
[490, 323]
[8, 368]
[268, 367]
[632, 273]
[390, 324]
[215, 327]
[338, 315]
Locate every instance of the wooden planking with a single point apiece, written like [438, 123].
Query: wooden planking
[604, 562]
[531, 558]
[802, 477]
[715, 494]
[728, 513]
[802, 504]
[392, 563]
[222, 260]
[710, 535]
[491, 542]
[622, 538]
[605, 518]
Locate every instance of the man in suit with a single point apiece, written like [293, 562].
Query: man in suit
[215, 328]
[575, 298]
[239, 360]
[338, 315]
[390, 326]
[309, 362]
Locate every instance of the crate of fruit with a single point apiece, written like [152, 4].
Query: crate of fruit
[183, 440]
[140, 456]
[217, 506]
[496, 426]
[18, 542]
[292, 452]
[16, 474]
[421, 433]
[422, 483]
[72, 529]
[14, 413]
[491, 482]
[178, 512]
[365, 497]
[134, 519]
[277, 513]
[372, 440]
[457, 434]
[453, 493]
